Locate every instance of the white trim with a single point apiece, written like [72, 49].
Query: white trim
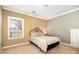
[67, 44]
[29, 42]
[10, 17]
[64, 13]
[15, 45]
[23, 13]
[44, 18]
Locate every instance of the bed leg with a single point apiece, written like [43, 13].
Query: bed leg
[43, 51]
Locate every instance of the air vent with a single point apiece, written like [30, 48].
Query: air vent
[33, 11]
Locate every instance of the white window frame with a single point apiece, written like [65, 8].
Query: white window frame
[10, 17]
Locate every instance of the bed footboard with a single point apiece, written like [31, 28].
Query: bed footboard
[52, 45]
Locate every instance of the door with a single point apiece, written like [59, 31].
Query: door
[75, 38]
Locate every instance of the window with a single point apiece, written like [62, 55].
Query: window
[15, 28]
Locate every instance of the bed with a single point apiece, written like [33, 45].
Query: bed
[42, 41]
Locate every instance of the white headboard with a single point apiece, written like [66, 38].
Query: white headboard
[36, 32]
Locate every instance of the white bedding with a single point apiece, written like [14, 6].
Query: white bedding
[44, 41]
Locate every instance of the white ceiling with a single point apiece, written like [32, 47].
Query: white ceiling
[42, 12]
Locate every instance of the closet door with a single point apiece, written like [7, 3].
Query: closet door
[75, 38]
[0, 26]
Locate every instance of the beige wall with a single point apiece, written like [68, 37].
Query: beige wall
[61, 26]
[29, 23]
[0, 25]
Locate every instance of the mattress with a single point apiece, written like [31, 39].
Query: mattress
[48, 39]
[44, 41]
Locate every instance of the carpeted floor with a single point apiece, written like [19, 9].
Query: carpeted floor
[31, 49]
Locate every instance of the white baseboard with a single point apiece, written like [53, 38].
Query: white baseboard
[67, 44]
[15, 45]
[28, 43]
